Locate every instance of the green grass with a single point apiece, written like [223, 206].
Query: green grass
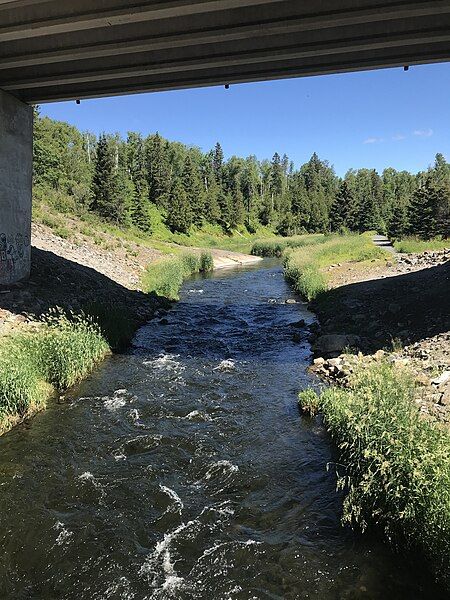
[395, 465]
[69, 219]
[304, 266]
[276, 246]
[58, 353]
[165, 277]
[409, 245]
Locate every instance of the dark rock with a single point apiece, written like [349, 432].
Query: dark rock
[332, 345]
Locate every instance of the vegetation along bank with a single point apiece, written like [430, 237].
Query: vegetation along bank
[382, 339]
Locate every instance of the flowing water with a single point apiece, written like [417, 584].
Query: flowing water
[182, 469]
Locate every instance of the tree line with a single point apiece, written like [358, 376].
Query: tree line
[126, 180]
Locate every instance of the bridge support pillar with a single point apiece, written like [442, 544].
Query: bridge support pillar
[16, 165]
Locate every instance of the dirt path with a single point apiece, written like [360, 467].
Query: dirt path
[384, 242]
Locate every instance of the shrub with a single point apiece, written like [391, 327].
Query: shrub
[275, 247]
[397, 464]
[309, 402]
[165, 277]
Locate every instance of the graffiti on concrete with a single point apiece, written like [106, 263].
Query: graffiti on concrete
[12, 252]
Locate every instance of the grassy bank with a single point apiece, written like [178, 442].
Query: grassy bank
[276, 246]
[304, 267]
[165, 277]
[71, 221]
[395, 465]
[55, 355]
[410, 245]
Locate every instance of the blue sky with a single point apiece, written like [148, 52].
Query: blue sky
[373, 119]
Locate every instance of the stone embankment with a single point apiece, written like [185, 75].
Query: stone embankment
[399, 313]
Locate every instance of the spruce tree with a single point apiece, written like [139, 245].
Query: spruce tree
[421, 213]
[398, 224]
[194, 192]
[179, 215]
[157, 161]
[103, 181]
[217, 163]
[339, 208]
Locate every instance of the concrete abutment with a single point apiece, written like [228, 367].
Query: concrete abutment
[16, 169]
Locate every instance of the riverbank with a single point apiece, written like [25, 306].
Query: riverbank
[398, 311]
[383, 340]
[108, 290]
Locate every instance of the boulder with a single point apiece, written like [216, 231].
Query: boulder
[333, 344]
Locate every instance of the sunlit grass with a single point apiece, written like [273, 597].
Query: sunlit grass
[395, 465]
[165, 276]
[276, 246]
[304, 267]
[58, 353]
[409, 245]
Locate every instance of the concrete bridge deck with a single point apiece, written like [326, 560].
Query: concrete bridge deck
[54, 50]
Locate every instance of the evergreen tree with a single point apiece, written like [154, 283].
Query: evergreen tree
[421, 213]
[398, 224]
[339, 209]
[179, 215]
[217, 163]
[194, 192]
[103, 179]
[158, 170]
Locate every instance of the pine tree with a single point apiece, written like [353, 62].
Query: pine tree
[339, 208]
[103, 180]
[217, 163]
[398, 224]
[421, 213]
[158, 178]
[194, 193]
[179, 215]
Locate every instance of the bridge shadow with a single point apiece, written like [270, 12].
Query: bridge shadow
[407, 307]
[58, 282]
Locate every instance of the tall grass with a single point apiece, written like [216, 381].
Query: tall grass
[56, 355]
[276, 246]
[411, 244]
[395, 465]
[304, 266]
[166, 276]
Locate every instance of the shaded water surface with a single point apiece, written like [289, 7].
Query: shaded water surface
[182, 469]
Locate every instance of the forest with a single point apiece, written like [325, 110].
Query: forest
[132, 182]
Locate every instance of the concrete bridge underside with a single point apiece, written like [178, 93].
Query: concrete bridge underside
[54, 50]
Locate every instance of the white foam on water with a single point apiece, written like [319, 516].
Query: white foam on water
[119, 589]
[86, 476]
[165, 362]
[224, 465]
[64, 534]
[174, 496]
[161, 556]
[114, 403]
[136, 417]
[196, 291]
[197, 414]
[225, 365]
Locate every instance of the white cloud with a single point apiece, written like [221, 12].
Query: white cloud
[373, 140]
[423, 133]
[398, 137]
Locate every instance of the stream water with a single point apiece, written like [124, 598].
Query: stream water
[182, 469]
